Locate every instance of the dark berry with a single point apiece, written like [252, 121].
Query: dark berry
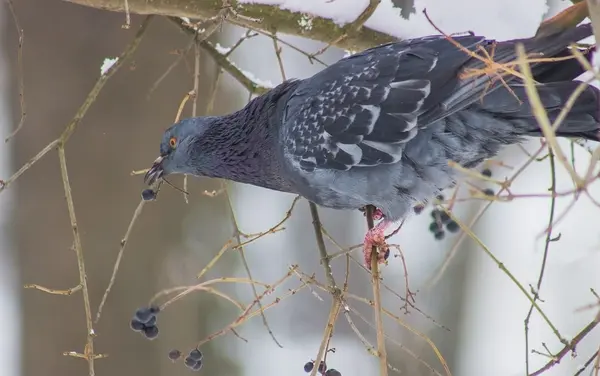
[195, 354]
[154, 309]
[174, 354]
[197, 366]
[148, 194]
[488, 192]
[452, 226]
[444, 217]
[322, 368]
[486, 172]
[144, 315]
[189, 362]
[136, 325]
[435, 213]
[387, 254]
[309, 367]
[439, 235]
[333, 372]
[440, 197]
[151, 332]
[151, 322]
[418, 209]
[435, 227]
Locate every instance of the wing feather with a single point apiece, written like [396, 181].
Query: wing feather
[362, 110]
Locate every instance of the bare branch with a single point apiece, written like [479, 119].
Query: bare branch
[268, 18]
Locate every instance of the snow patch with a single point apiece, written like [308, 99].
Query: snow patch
[305, 22]
[107, 64]
[494, 19]
[222, 50]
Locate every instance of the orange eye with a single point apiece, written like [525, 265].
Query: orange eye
[173, 142]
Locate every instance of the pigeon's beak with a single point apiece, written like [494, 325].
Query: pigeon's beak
[155, 172]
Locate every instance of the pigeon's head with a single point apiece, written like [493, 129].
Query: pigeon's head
[178, 149]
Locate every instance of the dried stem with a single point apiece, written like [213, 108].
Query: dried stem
[89, 346]
[542, 117]
[382, 354]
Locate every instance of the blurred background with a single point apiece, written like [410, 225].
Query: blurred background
[481, 310]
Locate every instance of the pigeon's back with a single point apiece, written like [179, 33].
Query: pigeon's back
[379, 127]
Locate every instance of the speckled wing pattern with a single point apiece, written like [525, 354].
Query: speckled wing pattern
[362, 110]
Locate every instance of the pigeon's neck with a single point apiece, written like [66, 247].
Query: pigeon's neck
[249, 150]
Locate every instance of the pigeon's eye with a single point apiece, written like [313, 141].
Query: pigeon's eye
[173, 142]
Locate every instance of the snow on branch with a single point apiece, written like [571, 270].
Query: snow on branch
[340, 23]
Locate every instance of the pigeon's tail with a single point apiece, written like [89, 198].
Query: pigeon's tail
[582, 120]
[564, 70]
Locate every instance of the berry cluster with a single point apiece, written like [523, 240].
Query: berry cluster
[440, 219]
[144, 321]
[148, 194]
[308, 367]
[487, 173]
[193, 360]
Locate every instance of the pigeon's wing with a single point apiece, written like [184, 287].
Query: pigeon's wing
[362, 110]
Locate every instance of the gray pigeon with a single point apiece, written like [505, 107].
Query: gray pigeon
[379, 127]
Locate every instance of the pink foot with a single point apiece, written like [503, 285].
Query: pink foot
[376, 238]
[377, 214]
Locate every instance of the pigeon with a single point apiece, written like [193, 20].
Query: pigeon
[380, 127]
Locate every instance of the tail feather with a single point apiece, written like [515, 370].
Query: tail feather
[565, 70]
[583, 119]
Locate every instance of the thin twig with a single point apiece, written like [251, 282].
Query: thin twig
[592, 358]
[278, 56]
[536, 295]
[124, 241]
[334, 312]
[208, 27]
[20, 75]
[569, 346]
[127, 24]
[352, 27]
[275, 228]
[510, 275]
[325, 261]
[224, 62]
[67, 292]
[247, 314]
[242, 253]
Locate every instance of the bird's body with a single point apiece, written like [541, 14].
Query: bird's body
[379, 127]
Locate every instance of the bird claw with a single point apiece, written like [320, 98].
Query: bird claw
[377, 214]
[375, 237]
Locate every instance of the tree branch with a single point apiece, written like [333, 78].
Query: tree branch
[255, 16]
